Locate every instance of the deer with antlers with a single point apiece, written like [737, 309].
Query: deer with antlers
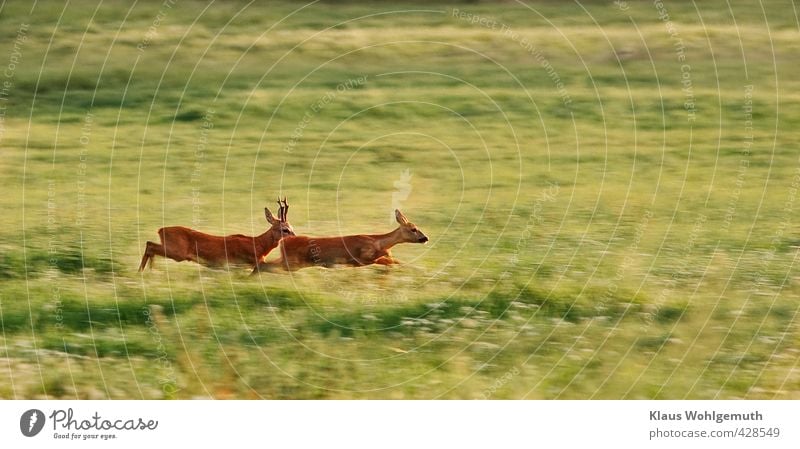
[179, 243]
[352, 250]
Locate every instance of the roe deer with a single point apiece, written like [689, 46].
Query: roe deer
[353, 250]
[179, 243]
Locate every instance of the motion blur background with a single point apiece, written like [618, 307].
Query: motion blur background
[610, 189]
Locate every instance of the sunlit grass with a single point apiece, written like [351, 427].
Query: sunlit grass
[605, 248]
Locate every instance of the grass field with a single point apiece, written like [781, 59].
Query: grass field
[610, 190]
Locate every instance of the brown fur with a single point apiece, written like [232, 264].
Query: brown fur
[352, 250]
[179, 243]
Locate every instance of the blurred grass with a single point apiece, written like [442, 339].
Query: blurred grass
[658, 267]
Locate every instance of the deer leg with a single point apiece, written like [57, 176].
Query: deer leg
[269, 267]
[278, 265]
[386, 260]
[145, 258]
[150, 250]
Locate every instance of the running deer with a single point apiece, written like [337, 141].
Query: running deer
[352, 250]
[180, 243]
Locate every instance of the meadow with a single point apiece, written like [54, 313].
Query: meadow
[610, 190]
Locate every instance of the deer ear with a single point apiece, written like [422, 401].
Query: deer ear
[270, 218]
[400, 217]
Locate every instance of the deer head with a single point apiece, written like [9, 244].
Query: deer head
[409, 232]
[280, 227]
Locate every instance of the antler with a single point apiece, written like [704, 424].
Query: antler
[285, 209]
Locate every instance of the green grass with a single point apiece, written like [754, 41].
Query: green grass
[602, 247]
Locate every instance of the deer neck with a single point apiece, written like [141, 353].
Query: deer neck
[386, 241]
[266, 242]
